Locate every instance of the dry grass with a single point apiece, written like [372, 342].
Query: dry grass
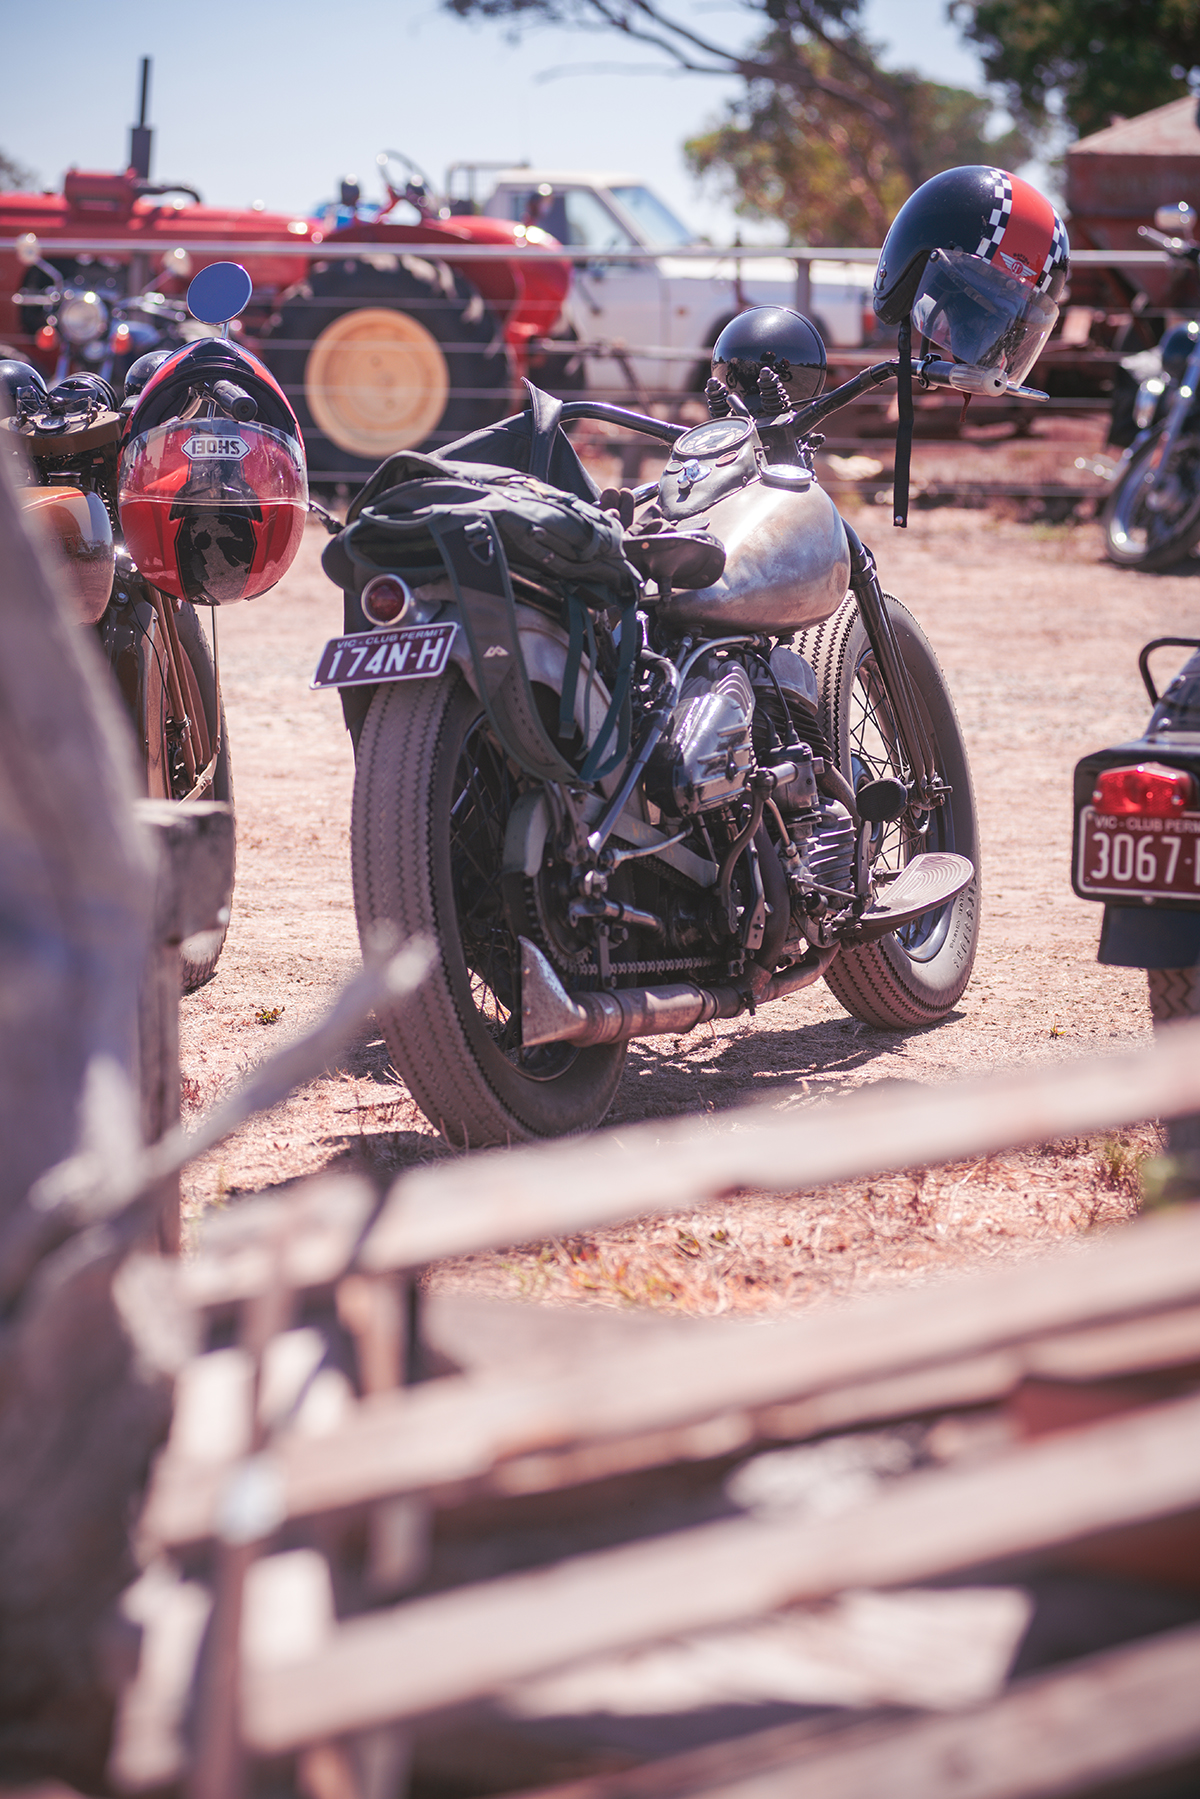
[767, 1253]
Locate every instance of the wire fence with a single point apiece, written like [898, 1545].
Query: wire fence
[386, 346]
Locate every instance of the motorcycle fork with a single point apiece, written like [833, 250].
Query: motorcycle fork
[179, 721]
[914, 739]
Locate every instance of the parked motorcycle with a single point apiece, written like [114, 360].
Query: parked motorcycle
[1152, 516]
[89, 323]
[1137, 849]
[192, 492]
[647, 758]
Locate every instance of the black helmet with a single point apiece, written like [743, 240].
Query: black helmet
[980, 259]
[22, 385]
[139, 372]
[775, 338]
[74, 391]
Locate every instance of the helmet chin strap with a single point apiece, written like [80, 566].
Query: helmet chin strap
[904, 428]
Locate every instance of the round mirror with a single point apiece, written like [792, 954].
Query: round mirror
[177, 262]
[219, 293]
[29, 251]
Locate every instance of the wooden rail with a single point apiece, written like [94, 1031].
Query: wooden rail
[571, 1507]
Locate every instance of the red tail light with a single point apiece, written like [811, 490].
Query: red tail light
[1148, 791]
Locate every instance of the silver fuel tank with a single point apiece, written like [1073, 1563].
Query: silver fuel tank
[787, 561]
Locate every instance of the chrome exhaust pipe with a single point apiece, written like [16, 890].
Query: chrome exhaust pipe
[549, 1014]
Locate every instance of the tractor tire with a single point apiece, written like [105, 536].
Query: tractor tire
[394, 353]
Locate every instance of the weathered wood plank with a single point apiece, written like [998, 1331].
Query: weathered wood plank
[78, 1416]
[526, 1195]
[195, 840]
[447, 1649]
[75, 878]
[458, 1429]
[1112, 1716]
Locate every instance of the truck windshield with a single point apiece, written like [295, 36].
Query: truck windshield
[659, 227]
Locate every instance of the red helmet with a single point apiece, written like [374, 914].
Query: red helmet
[212, 508]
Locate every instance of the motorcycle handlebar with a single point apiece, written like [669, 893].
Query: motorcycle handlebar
[993, 384]
[1174, 246]
[236, 401]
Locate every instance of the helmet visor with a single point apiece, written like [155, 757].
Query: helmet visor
[979, 315]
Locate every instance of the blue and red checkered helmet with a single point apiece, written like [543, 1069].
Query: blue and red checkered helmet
[980, 259]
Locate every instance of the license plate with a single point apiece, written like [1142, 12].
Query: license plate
[414, 653]
[1150, 858]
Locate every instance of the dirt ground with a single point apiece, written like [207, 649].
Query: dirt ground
[1038, 637]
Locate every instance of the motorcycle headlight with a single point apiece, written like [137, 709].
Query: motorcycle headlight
[81, 317]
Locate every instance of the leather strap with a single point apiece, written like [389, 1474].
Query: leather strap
[904, 429]
[545, 413]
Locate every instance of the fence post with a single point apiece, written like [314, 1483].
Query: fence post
[803, 285]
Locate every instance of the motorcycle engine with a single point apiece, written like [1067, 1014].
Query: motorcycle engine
[826, 848]
[706, 753]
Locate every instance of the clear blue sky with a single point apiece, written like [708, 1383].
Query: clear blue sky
[276, 101]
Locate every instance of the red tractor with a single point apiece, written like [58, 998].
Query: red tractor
[378, 347]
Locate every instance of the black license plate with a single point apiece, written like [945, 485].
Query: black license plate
[1144, 858]
[413, 653]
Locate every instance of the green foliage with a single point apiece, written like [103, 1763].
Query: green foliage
[823, 138]
[825, 170]
[14, 176]
[1092, 59]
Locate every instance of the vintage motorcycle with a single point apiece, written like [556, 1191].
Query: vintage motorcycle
[647, 758]
[191, 492]
[1137, 848]
[1152, 515]
[91, 326]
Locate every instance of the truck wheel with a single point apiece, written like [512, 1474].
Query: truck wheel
[379, 359]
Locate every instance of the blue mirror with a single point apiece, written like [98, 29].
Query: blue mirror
[219, 293]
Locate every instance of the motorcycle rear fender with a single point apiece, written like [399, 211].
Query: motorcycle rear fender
[544, 646]
[1155, 936]
[1141, 749]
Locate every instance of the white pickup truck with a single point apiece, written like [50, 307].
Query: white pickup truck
[656, 320]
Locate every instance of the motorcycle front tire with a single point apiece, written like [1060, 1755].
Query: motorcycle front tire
[1139, 536]
[917, 975]
[432, 795]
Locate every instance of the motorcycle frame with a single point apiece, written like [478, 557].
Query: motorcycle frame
[789, 433]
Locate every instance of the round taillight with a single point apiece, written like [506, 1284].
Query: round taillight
[386, 599]
[1151, 790]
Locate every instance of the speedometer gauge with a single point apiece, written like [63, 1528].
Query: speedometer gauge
[713, 438]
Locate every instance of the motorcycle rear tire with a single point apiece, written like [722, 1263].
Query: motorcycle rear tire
[432, 794]
[1135, 536]
[1174, 993]
[915, 976]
